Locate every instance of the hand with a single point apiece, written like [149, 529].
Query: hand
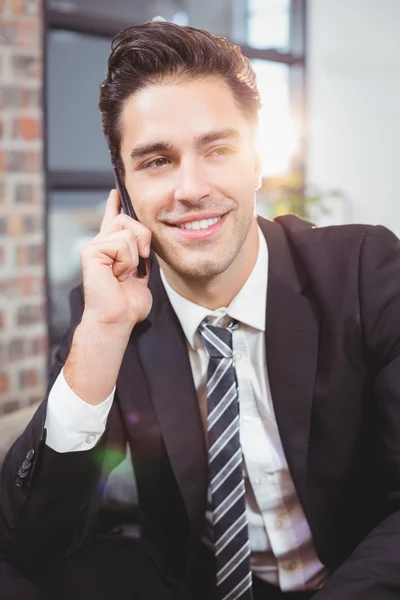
[114, 295]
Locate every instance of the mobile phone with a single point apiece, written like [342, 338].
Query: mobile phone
[128, 210]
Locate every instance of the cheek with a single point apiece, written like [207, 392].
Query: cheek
[148, 199]
[239, 176]
[240, 186]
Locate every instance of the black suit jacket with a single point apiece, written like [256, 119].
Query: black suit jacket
[333, 355]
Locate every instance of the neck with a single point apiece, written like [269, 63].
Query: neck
[218, 291]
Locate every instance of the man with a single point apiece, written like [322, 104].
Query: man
[254, 371]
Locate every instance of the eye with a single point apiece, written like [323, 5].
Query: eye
[156, 163]
[221, 151]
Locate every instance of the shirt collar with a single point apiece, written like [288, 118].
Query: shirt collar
[248, 306]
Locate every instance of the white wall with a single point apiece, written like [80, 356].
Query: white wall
[354, 107]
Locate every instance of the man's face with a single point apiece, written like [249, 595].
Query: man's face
[191, 171]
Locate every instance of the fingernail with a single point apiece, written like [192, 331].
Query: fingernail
[146, 250]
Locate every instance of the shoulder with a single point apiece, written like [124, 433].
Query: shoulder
[330, 255]
[300, 232]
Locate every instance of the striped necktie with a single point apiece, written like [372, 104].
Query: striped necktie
[228, 506]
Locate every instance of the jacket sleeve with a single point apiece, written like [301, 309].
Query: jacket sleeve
[372, 571]
[48, 499]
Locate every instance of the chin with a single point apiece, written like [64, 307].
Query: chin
[200, 268]
[196, 264]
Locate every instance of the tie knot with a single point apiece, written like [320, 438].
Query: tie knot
[217, 339]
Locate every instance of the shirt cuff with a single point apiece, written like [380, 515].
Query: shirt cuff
[72, 424]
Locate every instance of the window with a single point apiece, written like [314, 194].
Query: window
[78, 170]
[73, 220]
[75, 69]
[269, 24]
[275, 136]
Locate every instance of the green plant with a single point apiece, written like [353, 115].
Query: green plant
[288, 194]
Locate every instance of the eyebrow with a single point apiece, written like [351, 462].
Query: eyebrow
[202, 140]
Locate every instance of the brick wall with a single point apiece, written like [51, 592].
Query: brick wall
[22, 256]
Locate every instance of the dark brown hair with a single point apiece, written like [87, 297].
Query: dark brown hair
[162, 52]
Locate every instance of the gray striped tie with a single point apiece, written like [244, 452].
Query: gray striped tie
[228, 506]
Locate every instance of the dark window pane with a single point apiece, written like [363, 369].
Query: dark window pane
[260, 23]
[76, 67]
[74, 218]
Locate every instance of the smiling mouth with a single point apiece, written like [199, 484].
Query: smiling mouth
[201, 224]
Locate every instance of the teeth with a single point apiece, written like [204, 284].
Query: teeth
[202, 224]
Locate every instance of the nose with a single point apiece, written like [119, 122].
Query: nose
[191, 182]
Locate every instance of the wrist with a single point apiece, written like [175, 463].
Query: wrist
[95, 358]
[95, 327]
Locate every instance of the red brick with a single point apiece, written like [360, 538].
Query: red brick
[39, 346]
[32, 98]
[21, 30]
[26, 128]
[29, 285]
[14, 225]
[19, 161]
[17, 7]
[20, 348]
[32, 223]
[25, 7]
[20, 224]
[15, 96]
[33, 162]
[4, 383]
[24, 285]
[26, 66]
[16, 349]
[26, 193]
[31, 254]
[28, 378]
[28, 35]
[30, 315]
[23, 35]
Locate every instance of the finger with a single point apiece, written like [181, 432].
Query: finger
[107, 251]
[116, 254]
[123, 271]
[142, 234]
[125, 262]
[125, 237]
[112, 210]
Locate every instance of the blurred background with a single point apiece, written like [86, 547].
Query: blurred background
[328, 72]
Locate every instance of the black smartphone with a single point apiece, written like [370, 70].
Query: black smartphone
[128, 210]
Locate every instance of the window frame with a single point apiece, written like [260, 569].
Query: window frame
[80, 22]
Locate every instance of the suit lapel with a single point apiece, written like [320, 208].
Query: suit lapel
[164, 358]
[292, 352]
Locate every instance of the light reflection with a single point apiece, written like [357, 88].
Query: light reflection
[278, 135]
[269, 24]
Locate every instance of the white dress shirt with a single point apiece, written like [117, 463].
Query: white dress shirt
[280, 538]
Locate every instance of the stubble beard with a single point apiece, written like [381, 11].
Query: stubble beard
[200, 266]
